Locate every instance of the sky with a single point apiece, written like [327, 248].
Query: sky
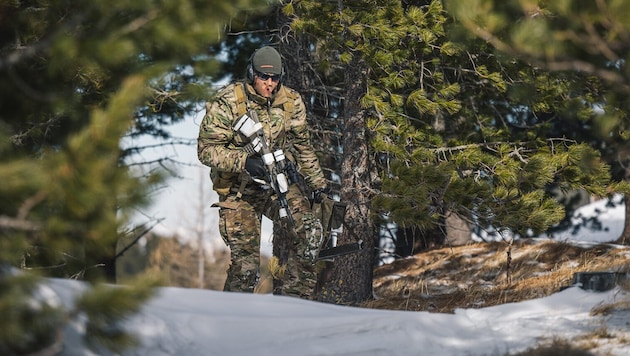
[181, 321]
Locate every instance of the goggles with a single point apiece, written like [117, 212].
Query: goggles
[264, 77]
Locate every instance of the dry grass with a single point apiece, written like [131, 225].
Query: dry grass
[476, 275]
[554, 348]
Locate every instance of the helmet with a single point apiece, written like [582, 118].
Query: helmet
[265, 60]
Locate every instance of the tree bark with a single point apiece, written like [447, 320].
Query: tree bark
[624, 239]
[350, 280]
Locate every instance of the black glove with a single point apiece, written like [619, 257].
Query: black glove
[319, 193]
[291, 171]
[255, 166]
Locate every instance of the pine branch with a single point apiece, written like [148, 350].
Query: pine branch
[18, 138]
[23, 53]
[493, 144]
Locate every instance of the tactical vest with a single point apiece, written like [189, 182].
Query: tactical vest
[223, 181]
[241, 101]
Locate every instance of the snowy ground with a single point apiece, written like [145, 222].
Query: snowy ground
[203, 322]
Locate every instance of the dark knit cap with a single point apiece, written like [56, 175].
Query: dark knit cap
[267, 60]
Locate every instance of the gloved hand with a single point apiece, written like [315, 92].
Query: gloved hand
[255, 166]
[319, 193]
[291, 172]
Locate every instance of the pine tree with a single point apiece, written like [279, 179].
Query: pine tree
[76, 77]
[453, 127]
[587, 40]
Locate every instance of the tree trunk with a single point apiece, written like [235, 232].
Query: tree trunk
[458, 230]
[350, 280]
[280, 249]
[624, 239]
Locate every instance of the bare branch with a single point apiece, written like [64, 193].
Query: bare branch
[17, 138]
[9, 223]
[29, 203]
[137, 238]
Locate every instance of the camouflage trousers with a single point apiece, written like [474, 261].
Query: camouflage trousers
[240, 228]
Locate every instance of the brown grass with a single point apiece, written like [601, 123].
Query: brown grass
[476, 275]
[555, 348]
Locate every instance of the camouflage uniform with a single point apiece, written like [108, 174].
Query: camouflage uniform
[242, 201]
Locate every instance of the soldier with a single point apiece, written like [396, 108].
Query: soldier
[237, 169]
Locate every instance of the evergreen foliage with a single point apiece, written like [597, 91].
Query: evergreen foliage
[456, 127]
[75, 78]
[106, 308]
[30, 320]
[586, 41]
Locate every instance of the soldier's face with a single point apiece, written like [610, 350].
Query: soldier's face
[266, 84]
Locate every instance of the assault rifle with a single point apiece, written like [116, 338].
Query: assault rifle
[275, 161]
[277, 169]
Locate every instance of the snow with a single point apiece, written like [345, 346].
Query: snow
[203, 322]
[182, 321]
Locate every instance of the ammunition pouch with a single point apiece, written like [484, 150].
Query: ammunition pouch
[330, 213]
[223, 181]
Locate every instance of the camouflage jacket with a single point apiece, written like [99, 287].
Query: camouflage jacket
[222, 149]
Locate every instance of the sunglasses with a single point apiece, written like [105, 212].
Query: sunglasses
[264, 77]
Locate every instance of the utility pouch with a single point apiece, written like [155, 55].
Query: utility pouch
[331, 214]
[222, 181]
[337, 215]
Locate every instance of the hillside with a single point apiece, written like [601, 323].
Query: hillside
[477, 275]
[190, 321]
[462, 300]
